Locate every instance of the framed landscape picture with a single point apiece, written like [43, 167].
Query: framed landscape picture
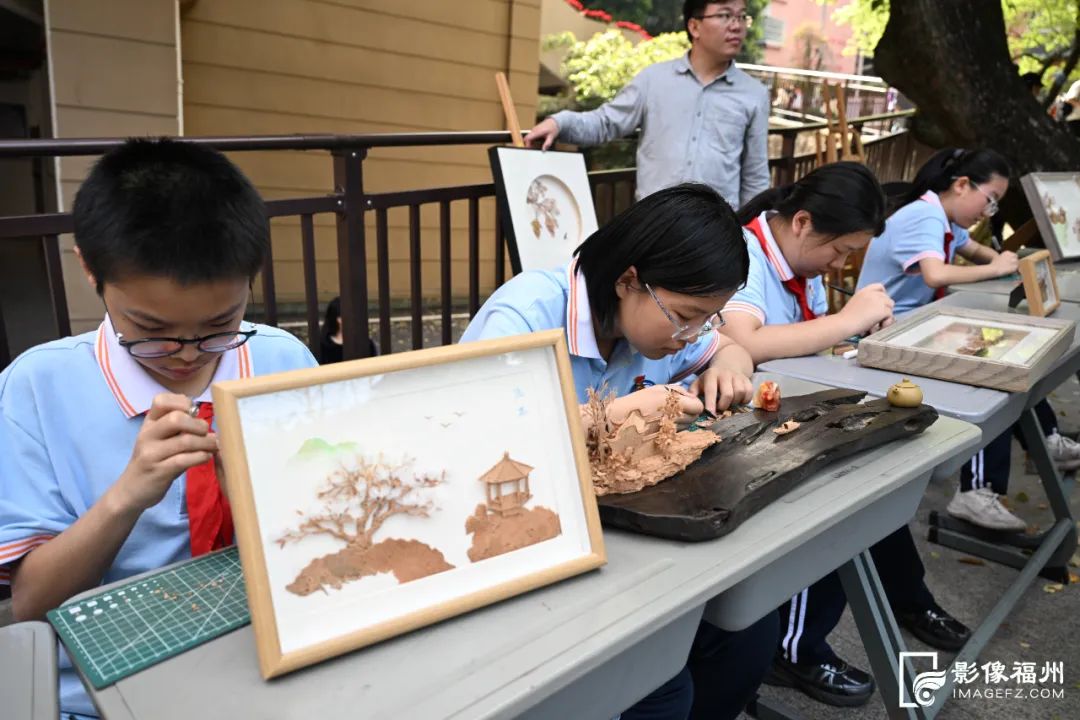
[1040, 283]
[545, 203]
[1055, 202]
[975, 347]
[377, 496]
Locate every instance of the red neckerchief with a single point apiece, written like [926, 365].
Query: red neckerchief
[796, 285]
[209, 516]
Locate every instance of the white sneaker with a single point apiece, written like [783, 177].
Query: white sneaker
[983, 508]
[1065, 452]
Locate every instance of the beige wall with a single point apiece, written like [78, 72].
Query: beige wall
[361, 66]
[114, 71]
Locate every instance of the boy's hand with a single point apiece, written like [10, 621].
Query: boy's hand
[1005, 263]
[722, 388]
[871, 307]
[170, 442]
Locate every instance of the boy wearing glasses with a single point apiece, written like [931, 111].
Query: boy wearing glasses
[107, 454]
[702, 119]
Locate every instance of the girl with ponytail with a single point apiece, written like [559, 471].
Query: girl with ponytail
[796, 233]
[913, 257]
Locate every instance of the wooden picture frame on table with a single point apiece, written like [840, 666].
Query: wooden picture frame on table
[1040, 283]
[545, 203]
[1054, 198]
[1005, 351]
[377, 496]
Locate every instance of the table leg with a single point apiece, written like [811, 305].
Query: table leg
[879, 633]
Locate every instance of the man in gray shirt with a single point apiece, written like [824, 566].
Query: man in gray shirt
[701, 118]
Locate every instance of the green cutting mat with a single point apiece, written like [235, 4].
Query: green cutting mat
[117, 633]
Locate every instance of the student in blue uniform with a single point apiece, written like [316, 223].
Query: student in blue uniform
[913, 259]
[104, 473]
[795, 234]
[641, 298]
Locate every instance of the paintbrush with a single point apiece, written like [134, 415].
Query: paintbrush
[839, 289]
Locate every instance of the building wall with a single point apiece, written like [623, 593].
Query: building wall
[361, 66]
[781, 48]
[114, 72]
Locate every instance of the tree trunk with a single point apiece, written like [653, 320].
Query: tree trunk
[951, 58]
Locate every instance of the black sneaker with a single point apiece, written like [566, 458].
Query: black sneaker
[834, 682]
[936, 628]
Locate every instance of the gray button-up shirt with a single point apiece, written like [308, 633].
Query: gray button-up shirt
[716, 134]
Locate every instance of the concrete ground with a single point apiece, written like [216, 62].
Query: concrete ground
[1043, 627]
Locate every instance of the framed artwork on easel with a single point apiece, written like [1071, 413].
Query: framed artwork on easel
[1040, 283]
[1054, 198]
[545, 202]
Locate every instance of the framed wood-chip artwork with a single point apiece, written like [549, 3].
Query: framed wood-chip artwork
[1054, 198]
[1040, 283]
[377, 496]
[1006, 351]
[545, 203]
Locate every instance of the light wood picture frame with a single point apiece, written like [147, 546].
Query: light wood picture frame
[377, 496]
[1054, 198]
[545, 203]
[1005, 351]
[1040, 283]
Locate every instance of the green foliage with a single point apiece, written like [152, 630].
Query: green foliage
[598, 68]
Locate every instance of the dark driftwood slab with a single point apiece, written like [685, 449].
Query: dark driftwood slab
[753, 466]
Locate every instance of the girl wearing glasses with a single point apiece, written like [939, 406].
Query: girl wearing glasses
[913, 257]
[795, 234]
[640, 298]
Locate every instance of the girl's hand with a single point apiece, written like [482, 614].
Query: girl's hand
[722, 388]
[1005, 263]
[650, 402]
[869, 308]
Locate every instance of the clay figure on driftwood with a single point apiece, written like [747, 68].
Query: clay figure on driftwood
[356, 499]
[503, 523]
[626, 456]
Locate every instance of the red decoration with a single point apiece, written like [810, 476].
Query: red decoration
[576, 4]
[606, 17]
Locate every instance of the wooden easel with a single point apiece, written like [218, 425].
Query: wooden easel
[839, 136]
[509, 110]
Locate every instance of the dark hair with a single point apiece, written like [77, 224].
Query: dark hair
[841, 197]
[169, 208]
[333, 315]
[696, 8]
[938, 173]
[1032, 80]
[685, 239]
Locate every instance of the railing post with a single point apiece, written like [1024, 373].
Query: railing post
[352, 251]
[786, 170]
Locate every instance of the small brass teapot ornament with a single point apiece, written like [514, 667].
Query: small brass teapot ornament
[905, 394]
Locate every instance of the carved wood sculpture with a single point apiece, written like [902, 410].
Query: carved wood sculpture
[752, 466]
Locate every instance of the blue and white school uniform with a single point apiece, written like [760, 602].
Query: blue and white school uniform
[547, 299]
[70, 411]
[917, 231]
[768, 294]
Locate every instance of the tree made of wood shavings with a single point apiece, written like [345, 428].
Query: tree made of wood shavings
[357, 500]
[543, 207]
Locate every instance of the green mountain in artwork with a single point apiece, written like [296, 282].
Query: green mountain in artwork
[317, 447]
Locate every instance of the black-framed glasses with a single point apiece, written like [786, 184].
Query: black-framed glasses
[164, 347]
[683, 332]
[730, 19]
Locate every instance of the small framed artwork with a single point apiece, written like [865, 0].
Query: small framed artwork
[374, 497]
[1040, 283]
[998, 350]
[545, 203]
[1054, 198]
